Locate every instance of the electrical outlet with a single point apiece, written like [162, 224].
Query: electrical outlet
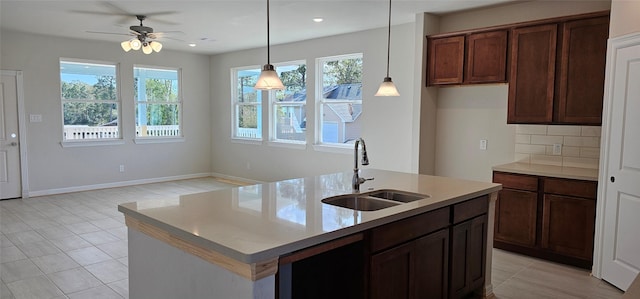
[35, 118]
[121, 168]
[483, 144]
[557, 149]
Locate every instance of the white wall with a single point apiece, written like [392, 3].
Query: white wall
[470, 113]
[624, 17]
[52, 168]
[388, 122]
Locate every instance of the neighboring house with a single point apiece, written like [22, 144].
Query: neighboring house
[341, 121]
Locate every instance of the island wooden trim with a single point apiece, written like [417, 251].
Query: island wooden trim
[253, 271]
[305, 253]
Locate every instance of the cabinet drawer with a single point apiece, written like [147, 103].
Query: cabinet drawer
[577, 188]
[516, 181]
[470, 208]
[405, 230]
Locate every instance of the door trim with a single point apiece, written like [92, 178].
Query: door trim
[614, 44]
[22, 129]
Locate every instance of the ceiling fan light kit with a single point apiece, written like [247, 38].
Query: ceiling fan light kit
[142, 40]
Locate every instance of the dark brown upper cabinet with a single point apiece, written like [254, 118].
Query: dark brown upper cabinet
[467, 59]
[446, 59]
[486, 57]
[582, 69]
[557, 72]
[532, 74]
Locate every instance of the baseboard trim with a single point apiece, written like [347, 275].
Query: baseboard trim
[117, 184]
[235, 180]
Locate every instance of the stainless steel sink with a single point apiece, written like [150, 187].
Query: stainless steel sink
[359, 202]
[395, 195]
[373, 201]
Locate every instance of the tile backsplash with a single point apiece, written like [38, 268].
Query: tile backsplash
[580, 145]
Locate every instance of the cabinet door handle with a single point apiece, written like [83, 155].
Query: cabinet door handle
[613, 179]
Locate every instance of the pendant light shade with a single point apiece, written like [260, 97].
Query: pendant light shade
[156, 46]
[268, 79]
[387, 88]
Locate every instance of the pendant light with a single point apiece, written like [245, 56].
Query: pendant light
[387, 88]
[268, 77]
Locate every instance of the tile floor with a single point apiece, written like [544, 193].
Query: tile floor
[75, 246]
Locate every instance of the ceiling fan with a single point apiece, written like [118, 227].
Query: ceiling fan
[142, 37]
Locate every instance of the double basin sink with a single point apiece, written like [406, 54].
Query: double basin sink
[374, 200]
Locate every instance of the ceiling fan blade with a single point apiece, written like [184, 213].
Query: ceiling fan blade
[175, 39]
[112, 33]
[116, 10]
[152, 18]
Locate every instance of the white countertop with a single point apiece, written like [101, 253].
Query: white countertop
[549, 171]
[258, 222]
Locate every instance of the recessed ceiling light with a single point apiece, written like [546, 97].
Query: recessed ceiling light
[318, 19]
[192, 45]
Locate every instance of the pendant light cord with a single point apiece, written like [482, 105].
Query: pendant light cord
[388, 39]
[268, 43]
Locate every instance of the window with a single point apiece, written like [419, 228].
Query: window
[90, 103]
[247, 104]
[339, 99]
[289, 118]
[158, 102]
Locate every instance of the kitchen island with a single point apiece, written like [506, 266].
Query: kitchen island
[231, 243]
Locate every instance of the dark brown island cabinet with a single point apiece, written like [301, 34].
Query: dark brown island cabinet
[546, 217]
[437, 254]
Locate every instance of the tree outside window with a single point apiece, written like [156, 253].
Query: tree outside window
[89, 95]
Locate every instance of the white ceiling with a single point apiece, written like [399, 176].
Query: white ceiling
[217, 26]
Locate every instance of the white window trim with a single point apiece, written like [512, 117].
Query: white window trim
[92, 142]
[318, 145]
[295, 144]
[234, 94]
[180, 102]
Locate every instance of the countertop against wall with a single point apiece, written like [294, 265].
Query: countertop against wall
[549, 171]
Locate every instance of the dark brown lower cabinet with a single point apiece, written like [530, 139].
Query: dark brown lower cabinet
[568, 225]
[468, 256]
[418, 269]
[546, 217]
[516, 217]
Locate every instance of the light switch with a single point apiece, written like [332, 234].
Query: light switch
[35, 118]
[483, 144]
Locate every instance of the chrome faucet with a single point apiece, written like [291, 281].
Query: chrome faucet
[357, 180]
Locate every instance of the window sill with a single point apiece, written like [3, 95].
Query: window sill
[339, 149]
[246, 141]
[149, 140]
[291, 145]
[86, 143]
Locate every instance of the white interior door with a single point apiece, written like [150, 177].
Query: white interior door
[10, 177]
[621, 173]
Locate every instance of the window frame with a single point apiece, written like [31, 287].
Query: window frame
[180, 103]
[319, 143]
[118, 102]
[236, 104]
[273, 105]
